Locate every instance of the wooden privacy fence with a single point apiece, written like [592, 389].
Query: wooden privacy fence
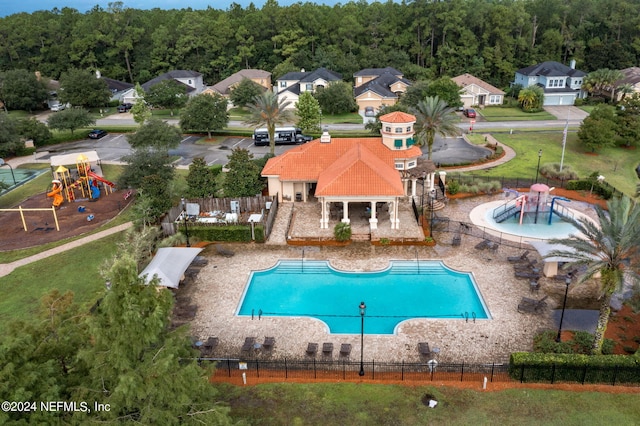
[268, 205]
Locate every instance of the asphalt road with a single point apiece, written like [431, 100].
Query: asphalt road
[113, 147]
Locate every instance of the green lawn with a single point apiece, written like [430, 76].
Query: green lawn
[588, 108]
[366, 404]
[616, 164]
[75, 270]
[512, 114]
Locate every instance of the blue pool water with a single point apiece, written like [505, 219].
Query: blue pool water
[405, 290]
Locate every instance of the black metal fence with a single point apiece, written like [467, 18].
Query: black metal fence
[457, 228]
[317, 369]
[236, 370]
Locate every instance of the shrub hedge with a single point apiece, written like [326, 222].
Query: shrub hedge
[585, 185]
[237, 233]
[606, 369]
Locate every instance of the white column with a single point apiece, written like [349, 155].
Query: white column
[413, 187]
[345, 212]
[373, 221]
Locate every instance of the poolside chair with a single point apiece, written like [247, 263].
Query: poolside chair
[209, 346]
[312, 348]
[248, 344]
[529, 305]
[532, 275]
[327, 348]
[423, 348]
[482, 245]
[521, 258]
[534, 286]
[222, 251]
[269, 342]
[345, 349]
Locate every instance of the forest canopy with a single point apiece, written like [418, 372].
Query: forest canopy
[424, 39]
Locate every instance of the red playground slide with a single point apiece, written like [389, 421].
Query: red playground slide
[101, 179]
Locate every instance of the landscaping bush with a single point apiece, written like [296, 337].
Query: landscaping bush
[585, 185]
[342, 232]
[453, 187]
[489, 187]
[545, 367]
[238, 233]
[552, 171]
[578, 102]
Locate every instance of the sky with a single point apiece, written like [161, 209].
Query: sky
[9, 7]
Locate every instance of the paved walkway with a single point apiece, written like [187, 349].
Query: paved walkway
[7, 268]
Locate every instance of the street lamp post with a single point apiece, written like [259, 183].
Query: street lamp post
[538, 168]
[3, 163]
[184, 221]
[600, 179]
[424, 179]
[564, 304]
[432, 197]
[363, 309]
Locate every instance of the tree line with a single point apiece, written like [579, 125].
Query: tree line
[422, 38]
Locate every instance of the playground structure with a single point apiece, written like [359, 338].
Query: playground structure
[85, 178]
[21, 210]
[533, 204]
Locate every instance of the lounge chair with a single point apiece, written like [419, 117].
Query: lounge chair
[521, 258]
[534, 286]
[209, 346]
[248, 344]
[345, 349]
[327, 348]
[423, 348]
[530, 275]
[312, 348]
[532, 305]
[222, 251]
[482, 245]
[269, 342]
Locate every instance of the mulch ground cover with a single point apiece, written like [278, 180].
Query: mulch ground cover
[74, 218]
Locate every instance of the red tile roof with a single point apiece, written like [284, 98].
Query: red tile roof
[345, 166]
[398, 117]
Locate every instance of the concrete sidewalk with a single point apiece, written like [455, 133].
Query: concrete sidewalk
[7, 268]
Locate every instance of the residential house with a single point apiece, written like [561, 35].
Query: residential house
[224, 87]
[375, 87]
[631, 76]
[117, 88]
[292, 84]
[477, 92]
[561, 84]
[349, 172]
[192, 81]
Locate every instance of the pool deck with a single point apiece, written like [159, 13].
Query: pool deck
[218, 288]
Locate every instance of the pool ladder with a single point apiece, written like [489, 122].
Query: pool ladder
[466, 316]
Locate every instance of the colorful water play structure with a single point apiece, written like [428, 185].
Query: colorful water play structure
[533, 204]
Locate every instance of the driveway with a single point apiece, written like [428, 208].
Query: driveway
[567, 112]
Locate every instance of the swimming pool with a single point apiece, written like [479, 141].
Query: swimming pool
[404, 290]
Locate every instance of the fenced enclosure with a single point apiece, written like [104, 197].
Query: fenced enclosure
[232, 370]
[266, 205]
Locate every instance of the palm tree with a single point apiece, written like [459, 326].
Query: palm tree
[611, 248]
[433, 115]
[267, 110]
[625, 89]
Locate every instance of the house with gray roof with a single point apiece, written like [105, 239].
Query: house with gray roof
[292, 84]
[375, 87]
[191, 80]
[561, 84]
[631, 76]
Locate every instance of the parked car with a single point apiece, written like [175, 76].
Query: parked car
[57, 107]
[97, 134]
[369, 111]
[469, 112]
[303, 138]
[124, 107]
